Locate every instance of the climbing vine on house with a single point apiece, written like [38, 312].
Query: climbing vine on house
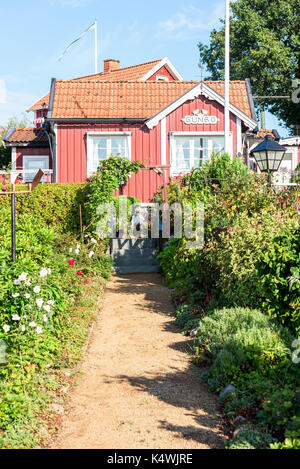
[111, 174]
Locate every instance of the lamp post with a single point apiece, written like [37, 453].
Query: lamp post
[268, 155]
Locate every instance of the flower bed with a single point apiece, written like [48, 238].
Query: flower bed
[46, 310]
[250, 259]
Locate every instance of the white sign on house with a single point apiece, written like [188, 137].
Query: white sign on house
[202, 118]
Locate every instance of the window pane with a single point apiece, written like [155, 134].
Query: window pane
[183, 153]
[218, 144]
[118, 146]
[104, 147]
[100, 150]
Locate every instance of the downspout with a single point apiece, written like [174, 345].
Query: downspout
[52, 135]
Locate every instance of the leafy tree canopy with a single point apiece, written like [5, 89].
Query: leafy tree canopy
[265, 47]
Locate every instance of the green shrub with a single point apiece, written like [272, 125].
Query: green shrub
[240, 341]
[279, 269]
[288, 444]
[251, 438]
[216, 328]
[56, 205]
[187, 317]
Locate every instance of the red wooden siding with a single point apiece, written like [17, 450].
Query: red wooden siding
[20, 151]
[162, 71]
[145, 146]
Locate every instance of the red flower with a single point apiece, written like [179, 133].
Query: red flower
[86, 281]
[81, 274]
[71, 261]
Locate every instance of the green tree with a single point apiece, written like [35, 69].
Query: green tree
[17, 122]
[265, 47]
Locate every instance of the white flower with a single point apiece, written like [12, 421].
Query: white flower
[71, 250]
[45, 318]
[23, 329]
[39, 330]
[91, 254]
[49, 271]
[27, 283]
[39, 302]
[78, 246]
[43, 272]
[17, 282]
[15, 317]
[47, 308]
[94, 241]
[23, 277]
[50, 302]
[6, 328]
[32, 324]
[77, 251]
[15, 295]
[27, 296]
[86, 236]
[37, 289]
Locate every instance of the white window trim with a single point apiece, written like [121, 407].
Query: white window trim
[38, 157]
[90, 135]
[174, 171]
[162, 78]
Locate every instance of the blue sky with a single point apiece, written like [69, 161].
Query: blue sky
[34, 33]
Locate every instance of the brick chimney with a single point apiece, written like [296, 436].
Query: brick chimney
[110, 65]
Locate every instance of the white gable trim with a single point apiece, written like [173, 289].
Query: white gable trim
[165, 62]
[195, 92]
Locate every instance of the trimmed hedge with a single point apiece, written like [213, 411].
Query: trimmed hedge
[55, 204]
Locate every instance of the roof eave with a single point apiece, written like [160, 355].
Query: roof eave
[27, 144]
[87, 120]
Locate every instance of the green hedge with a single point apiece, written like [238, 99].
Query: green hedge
[55, 204]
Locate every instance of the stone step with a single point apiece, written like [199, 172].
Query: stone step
[129, 269]
[135, 254]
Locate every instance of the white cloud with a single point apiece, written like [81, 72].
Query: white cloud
[189, 21]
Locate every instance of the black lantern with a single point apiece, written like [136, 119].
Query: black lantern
[268, 155]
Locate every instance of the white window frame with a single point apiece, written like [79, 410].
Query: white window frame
[162, 78]
[33, 157]
[90, 148]
[173, 135]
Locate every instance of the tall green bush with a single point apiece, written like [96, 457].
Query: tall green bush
[57, 205]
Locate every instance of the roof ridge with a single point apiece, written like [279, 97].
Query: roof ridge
[118, 70]
[144, 83]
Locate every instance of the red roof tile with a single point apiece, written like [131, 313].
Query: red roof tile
[133, 73]
[29, 135]
[113, 100]
[263, 132]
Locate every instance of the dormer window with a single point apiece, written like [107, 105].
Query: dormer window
[162, 78]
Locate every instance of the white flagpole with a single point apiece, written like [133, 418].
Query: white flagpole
[227, 78]
[96, 46]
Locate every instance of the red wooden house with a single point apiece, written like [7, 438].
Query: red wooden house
[146, 112]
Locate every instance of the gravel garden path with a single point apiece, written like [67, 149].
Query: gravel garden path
[137, 387]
